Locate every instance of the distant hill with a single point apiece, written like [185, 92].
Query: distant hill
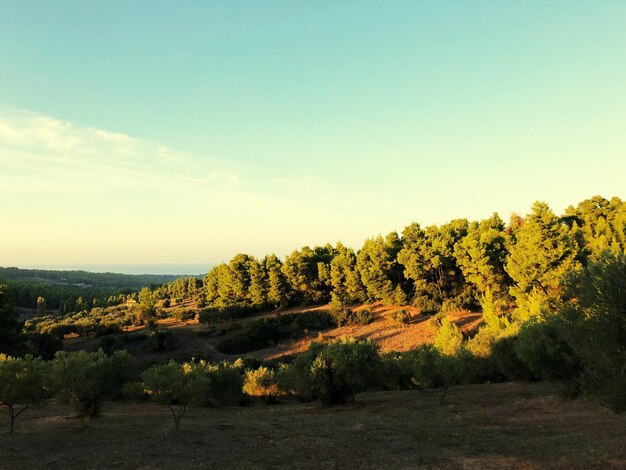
[85, 278]
[57, 285]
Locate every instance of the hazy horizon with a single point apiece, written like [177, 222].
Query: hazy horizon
[135, 136]
[173, 269]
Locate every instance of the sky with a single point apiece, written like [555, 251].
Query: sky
[164, 134]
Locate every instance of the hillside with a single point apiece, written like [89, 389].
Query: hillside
[512, 425]
[193, 339]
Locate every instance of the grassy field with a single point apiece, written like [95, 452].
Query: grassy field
[513, 425]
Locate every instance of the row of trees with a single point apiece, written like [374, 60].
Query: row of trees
[452, 265]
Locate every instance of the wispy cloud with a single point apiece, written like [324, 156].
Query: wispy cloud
[34, 148]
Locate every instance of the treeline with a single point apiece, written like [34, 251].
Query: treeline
[437, 267]
[70, 291]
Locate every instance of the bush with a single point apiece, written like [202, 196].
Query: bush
[449, 338]
[347, 317]
[544, 353]
[183, 314]
[401, 317]
[593, 325]
[334, 372]
[111, 343]
[42, 345]
[160, 341]
[262, 382]
[432, 369]
[267, 332]
[426, 305]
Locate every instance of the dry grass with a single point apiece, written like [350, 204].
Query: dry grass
[390, 335]
[384, 330]
[514, 425]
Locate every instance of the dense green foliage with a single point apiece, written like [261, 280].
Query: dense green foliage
[437, 267]
[179, 386]
[85, 379]
[22, 383]
[9, 326]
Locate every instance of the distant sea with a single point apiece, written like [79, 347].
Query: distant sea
[191, 269]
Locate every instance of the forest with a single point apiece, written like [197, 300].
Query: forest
[550, 291]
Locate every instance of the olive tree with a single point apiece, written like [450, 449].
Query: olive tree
[22, 383]
[85, 379]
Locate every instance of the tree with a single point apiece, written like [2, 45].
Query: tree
[259, 284]
[428, 260]
[544, 250]
[593, 324]
[601, 224]
[380, 272]
[22, 382]
[344, 277]
[176, 386]
[481, 255]
[41, 306]
[432, 369]
[277, 283]
[9, 325]
[179, 386]
[85, 379]
[147, 305]
[307, 272]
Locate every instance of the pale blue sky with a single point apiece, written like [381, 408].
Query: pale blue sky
[185, 132]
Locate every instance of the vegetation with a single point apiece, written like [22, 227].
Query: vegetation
[552, 292]
[22, 383]
[179, 386]
[85, 379]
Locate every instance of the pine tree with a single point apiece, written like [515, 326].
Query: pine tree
[544, 250]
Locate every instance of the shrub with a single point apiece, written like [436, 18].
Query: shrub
[335, 372]
[426, 305]
[544, 353]
[401, 317]
[42, 345]
[262, 382]
[449, 338]
[160, 341]
[347, 317]
[111, 343]
[450, 305]
[432, 369]
[593, 325]
[183, 314]
[266, 332]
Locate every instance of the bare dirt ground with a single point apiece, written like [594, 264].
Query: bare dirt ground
[513, 425]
